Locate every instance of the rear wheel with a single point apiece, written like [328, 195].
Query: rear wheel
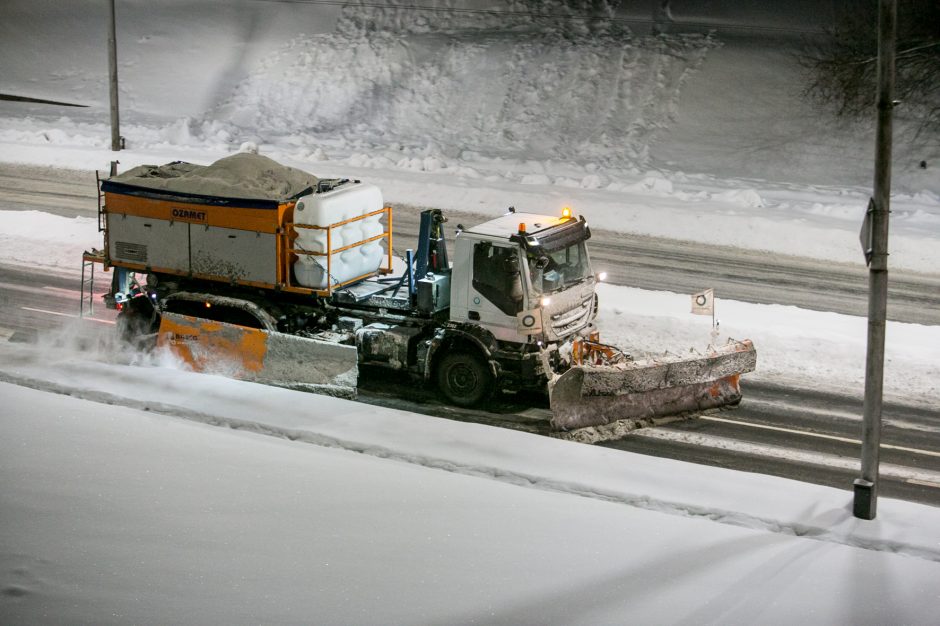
[137, 321]
[464, 379]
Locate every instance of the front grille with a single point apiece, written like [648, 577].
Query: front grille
[563, 323]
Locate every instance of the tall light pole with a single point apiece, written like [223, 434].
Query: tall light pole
[866, 487]
[112, 66]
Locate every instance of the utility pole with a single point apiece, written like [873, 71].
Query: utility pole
[112, 66]
[866, 487]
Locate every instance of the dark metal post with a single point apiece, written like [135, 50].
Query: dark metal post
[112, 65]
[866, 487]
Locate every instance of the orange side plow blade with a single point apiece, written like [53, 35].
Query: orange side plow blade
[261, 356]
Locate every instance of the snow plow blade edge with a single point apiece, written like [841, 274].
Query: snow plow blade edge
[594, 395]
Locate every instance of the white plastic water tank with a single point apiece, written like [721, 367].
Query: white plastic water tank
[345, 202]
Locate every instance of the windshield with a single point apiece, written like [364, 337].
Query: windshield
[554, 270]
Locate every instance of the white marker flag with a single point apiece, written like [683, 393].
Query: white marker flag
[703, 302]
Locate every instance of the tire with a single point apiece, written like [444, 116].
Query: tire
[135, 322]
[464, 379]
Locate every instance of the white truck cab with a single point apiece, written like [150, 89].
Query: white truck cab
[526, 278]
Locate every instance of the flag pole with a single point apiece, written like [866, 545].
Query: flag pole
[714, 330]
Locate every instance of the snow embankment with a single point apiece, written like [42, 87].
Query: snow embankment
[46, 242]
[674, 136]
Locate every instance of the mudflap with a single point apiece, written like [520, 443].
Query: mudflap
[259, 355]
[594, 395]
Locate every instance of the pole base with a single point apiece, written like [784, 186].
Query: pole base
[866, 499]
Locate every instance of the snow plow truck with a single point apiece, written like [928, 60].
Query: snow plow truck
[263, 272]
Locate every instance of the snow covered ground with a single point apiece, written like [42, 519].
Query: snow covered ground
[197, 499]
[316, 509]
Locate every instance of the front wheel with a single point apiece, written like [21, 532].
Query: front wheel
[464, 379]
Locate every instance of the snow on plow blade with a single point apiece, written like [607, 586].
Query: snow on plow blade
[260, 355]
[593, 395]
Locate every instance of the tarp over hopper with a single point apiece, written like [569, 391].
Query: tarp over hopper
[240, 176]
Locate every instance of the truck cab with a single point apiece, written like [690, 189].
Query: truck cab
[522, 290]
[525, 278]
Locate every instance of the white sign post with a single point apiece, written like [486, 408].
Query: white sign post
[703, 303]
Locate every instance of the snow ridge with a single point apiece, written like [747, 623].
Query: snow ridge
[522, 479]
[530, 94]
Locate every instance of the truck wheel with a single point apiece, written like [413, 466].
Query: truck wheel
[464, 379]
[135, 322]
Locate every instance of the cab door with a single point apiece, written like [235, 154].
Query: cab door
[496, 289]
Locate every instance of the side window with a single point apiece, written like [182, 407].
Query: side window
[496, 276]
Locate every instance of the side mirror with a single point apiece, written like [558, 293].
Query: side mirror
[542, 262]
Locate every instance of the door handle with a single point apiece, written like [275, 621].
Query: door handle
[474, 316]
